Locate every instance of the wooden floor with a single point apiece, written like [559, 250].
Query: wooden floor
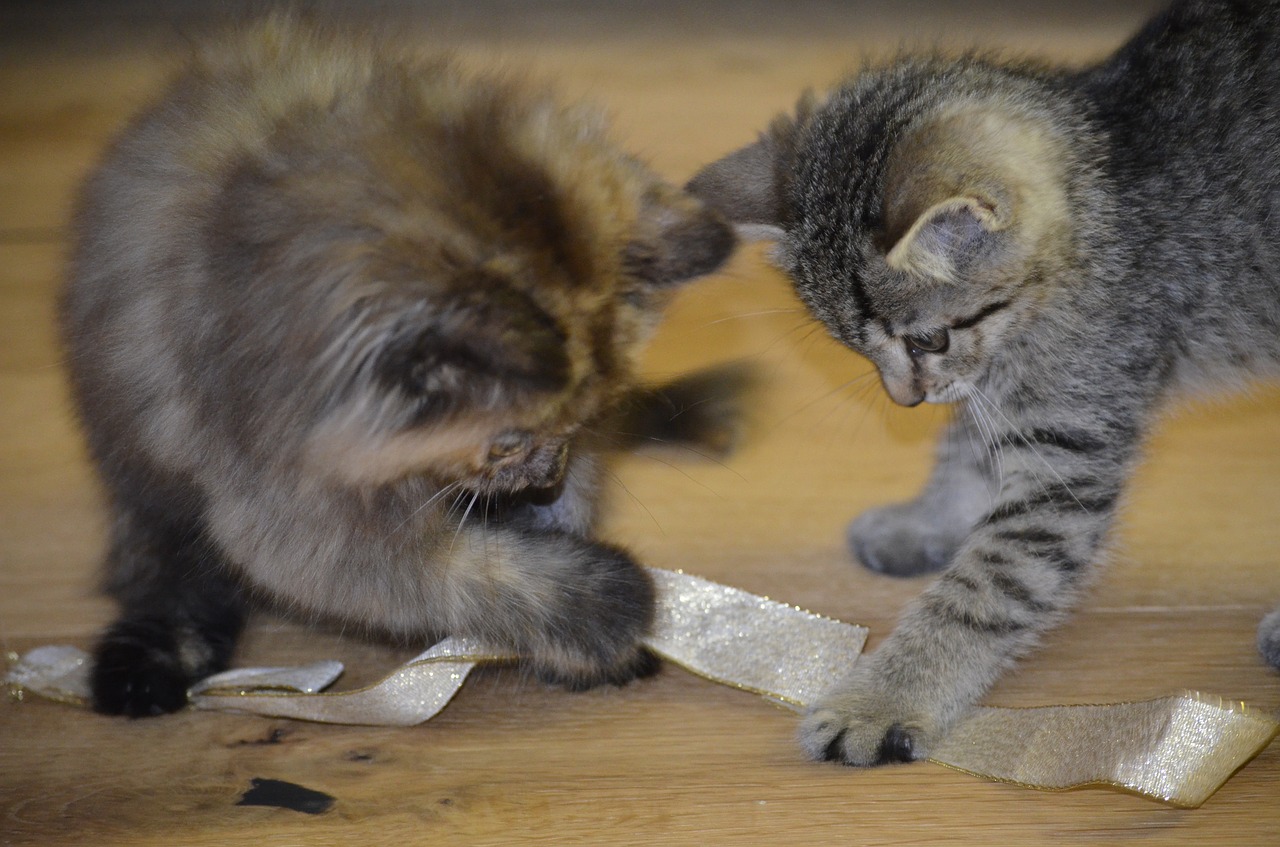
[672, 760]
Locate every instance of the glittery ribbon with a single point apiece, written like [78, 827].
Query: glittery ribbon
[1176, 749]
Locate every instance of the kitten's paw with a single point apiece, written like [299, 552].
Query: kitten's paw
[639, 665]
[599, 626]
[137, 673]
[1269, 638]
[901, 540]
[702, 411]
[861, 725]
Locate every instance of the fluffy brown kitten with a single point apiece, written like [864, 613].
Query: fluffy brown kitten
[347, 329]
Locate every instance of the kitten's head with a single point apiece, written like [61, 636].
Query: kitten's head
[485, 377]
[922, 211]
[472, 280]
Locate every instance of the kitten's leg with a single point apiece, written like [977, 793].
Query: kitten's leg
[1012, 579]
[701, 411]
[180, 617]
[576, 608]
[1269, 638]
[922, 535]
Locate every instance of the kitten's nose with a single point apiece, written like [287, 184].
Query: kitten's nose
[551, 463]
[904, 392]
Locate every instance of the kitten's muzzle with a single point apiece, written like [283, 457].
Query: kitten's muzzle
[905, 392]
[517, 461]
[546, 465]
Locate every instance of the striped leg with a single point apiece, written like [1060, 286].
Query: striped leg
[1014, 577]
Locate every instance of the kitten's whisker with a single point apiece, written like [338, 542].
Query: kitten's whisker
[613, 476]
[805, 407]
[680, 445]
[682, 472]
[865, 390]
[860, 385]
[475, 496]
[987, 432]
[754, 315]
[1036, 452]
[979, 445]
[453, 507]
[434, 497]
[982, 422]
[807, 324]
[864, 397]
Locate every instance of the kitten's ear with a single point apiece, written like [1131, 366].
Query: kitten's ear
[482, 334]
[944, 240]
[747, 185]
[679, 238]
[743, 186]
[977, 189]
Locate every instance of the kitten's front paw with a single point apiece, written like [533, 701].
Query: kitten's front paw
[602, 620]
[901, 540]
[136, 673]
[864, 723]
[702, 411]
[580, 677]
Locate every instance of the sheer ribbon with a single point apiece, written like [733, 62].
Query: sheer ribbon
[1177, 749]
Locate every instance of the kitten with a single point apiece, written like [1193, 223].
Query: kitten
[1055, 252]
[348, 330]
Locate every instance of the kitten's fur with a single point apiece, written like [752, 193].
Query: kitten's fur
[348, 329]
[1056, 253]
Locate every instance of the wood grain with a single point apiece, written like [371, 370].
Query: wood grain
[672, 760]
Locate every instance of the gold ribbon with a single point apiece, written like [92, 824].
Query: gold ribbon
[1178, 749]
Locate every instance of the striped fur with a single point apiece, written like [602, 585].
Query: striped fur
[1054, 252]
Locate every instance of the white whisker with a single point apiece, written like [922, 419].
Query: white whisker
[613, 476]
[805, 407]
[463, 522]
[434, 497]
[754, 315]
[992, 407]
[987, 432]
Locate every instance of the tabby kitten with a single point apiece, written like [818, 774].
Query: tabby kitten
[348, 330]
[1056, 253]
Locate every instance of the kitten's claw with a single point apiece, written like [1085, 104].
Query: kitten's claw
[136, 681]
[861, 725]
[898, 745]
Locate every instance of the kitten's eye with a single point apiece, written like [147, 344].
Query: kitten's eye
[509, 444]
[936, 341]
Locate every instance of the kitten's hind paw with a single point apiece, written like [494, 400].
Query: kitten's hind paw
[137, 673]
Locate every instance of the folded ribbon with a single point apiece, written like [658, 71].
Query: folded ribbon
[1177, 749]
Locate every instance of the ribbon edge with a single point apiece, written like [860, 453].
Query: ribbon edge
[277, 692]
